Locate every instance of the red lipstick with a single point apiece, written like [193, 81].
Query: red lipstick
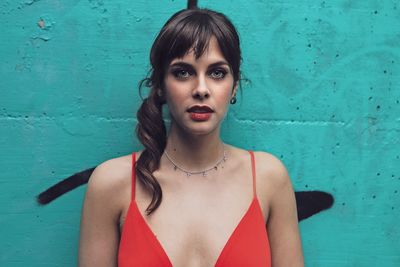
[200, 113]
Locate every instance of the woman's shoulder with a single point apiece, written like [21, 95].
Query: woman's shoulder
[270, 165]
[271, 171]
[110, 177]
[273, 180]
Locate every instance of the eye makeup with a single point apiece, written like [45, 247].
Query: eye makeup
[183, 71]
[218, 73]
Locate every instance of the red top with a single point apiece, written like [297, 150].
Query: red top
[247, 246]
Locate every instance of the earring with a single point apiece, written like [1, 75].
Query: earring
[233, 100]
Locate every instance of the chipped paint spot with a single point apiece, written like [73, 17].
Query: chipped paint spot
[30, 2]
[41, 23]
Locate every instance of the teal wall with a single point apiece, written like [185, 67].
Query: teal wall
[324, 97]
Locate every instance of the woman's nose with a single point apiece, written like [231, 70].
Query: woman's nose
[201, 90]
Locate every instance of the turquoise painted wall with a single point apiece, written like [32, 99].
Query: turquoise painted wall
[324, 97]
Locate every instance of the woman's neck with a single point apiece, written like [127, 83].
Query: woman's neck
[194, 152]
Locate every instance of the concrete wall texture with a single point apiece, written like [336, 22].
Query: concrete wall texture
[324, 97]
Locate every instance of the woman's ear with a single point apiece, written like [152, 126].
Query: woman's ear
[233, 99]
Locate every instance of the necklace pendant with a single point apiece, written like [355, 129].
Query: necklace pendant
[204, 173]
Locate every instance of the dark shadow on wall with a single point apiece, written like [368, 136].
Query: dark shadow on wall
[308, 203]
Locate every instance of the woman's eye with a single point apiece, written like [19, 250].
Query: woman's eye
[218, 74]
[181, 74]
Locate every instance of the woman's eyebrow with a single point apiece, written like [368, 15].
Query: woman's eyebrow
[218, 63]
[187, 65]
[181, 64]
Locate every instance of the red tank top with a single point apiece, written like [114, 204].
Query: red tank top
[248, 245]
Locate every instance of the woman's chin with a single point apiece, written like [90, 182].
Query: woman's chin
[200, 129]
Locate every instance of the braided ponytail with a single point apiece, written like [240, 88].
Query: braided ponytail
[152, 134]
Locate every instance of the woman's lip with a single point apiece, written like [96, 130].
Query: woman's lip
[200, 109]
[200, 116]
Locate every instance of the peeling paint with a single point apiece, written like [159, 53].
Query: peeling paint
[29, 2]
[41, 24]
[98, 5]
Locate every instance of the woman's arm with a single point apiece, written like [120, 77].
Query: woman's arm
[282, 224]
[99, 234]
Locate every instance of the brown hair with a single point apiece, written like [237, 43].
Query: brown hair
[185, 30]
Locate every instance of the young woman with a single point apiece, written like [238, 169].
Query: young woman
[189, 199]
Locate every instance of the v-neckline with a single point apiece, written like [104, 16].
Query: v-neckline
[223, 251]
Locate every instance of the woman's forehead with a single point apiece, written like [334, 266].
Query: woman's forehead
[211, 53]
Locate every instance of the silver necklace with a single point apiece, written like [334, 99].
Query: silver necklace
[203, 172]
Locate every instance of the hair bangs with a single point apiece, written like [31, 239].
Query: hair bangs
[194, 35]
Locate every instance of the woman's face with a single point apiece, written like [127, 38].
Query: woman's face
[198, 90]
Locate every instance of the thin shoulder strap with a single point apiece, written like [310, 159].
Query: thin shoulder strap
[253, 171]
[133, 175]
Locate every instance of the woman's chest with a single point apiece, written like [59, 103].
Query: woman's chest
[195, 233]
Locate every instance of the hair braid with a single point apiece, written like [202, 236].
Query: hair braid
[152, 134]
